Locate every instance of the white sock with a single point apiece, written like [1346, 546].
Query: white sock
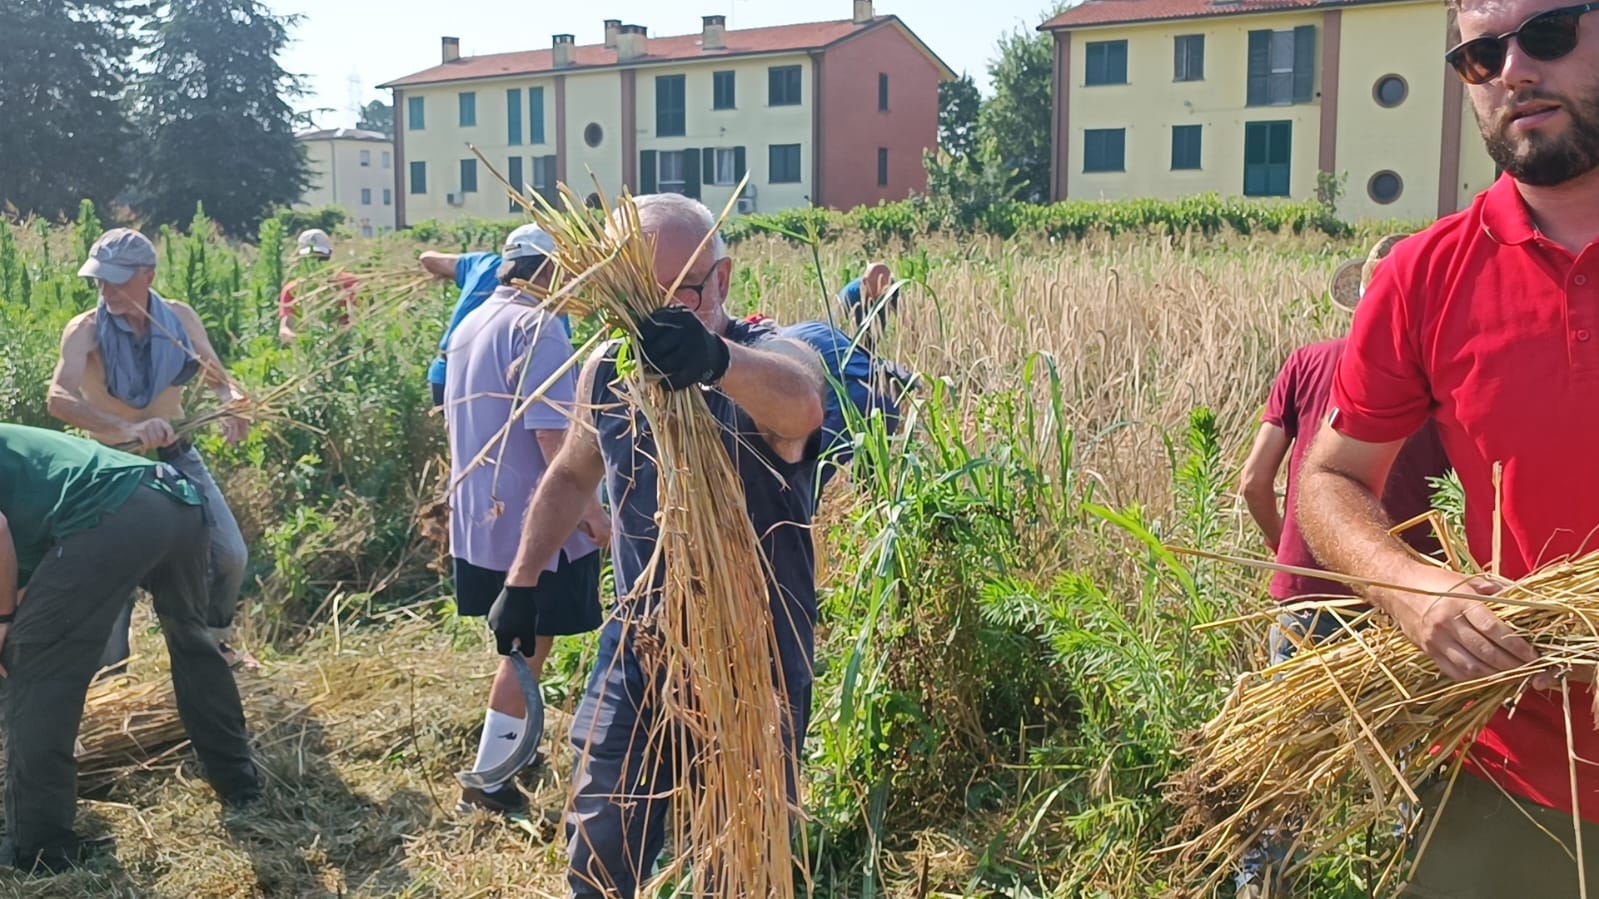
[500, 733]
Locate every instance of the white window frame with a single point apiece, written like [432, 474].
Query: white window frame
[726, 166]
[675, 185]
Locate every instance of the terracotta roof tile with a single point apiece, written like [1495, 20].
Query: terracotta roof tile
[741, 42]
[1117, 12]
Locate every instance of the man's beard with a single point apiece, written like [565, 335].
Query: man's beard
[1542, 161]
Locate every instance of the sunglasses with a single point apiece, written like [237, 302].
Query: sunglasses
[1546, 36]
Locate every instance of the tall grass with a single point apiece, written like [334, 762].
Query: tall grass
[1007, 654]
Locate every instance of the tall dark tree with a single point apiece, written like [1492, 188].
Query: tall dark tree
[216, 108]
[377, 116]
[64, 132]
[1014, 124]
[958, 106]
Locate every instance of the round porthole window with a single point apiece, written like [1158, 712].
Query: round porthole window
[1385, 187]
[593, 134]
[1390, 91]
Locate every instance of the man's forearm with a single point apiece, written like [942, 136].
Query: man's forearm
[80, 413]
[1346, 528]
[1263, 509]
[557, 507]
[780, 394]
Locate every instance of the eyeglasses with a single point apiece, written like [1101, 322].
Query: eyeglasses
[697, 289]
[1546, 36]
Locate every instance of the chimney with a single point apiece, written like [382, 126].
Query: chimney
[613, 27]
[564, 50]
[715, 34]
[630, 42]
[863, 12]
[451, 48]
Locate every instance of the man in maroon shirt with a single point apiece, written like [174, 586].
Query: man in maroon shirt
[1488, 322]
[1298, 403]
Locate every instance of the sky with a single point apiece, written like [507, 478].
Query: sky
[344, 48]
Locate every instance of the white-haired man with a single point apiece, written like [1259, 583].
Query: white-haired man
[766, 391]
[1488, 323]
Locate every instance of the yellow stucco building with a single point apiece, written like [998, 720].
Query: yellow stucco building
[1167, 98]
[353, 169]
[833, 113]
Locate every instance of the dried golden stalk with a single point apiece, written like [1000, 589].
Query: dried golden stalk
[1335, 739]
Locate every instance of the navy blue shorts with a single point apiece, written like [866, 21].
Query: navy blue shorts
[566, 600]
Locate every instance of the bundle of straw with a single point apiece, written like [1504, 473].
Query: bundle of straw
[1332, 742]
[708, 641]
[128, 726]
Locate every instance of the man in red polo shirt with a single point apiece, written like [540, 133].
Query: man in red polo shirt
[1489, 322]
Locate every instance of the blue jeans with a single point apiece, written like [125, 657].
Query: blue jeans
[621, 787]
[229, 556]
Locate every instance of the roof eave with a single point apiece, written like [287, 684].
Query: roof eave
[641, 63]
[1049, 27]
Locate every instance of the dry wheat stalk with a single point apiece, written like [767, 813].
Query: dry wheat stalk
[1334, 740]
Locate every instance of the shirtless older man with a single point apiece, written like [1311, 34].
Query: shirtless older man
[123, 368]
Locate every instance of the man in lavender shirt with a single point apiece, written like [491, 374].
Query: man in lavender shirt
[501, 353]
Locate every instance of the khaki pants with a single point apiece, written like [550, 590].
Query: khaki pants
[1487, 845]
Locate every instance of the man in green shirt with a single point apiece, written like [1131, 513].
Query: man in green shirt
[82, 525]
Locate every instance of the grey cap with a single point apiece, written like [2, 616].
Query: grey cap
[528, 240]
[117, 255]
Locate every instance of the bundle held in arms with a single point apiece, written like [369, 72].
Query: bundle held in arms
[1338, 740]
[707, 641]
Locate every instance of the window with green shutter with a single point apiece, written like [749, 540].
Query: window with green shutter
[467, 101]
[1106, 63]
[513, 117]
[671, 117]
[1281, 67]
[419, 177]
[1105, 150]
[783, 86]
[1189, 63]
[415, 113]
[1185, 146]
[513, 174]
[783, 164]
[724, 87]
[1268, 158]
[469, 176]
[535, 111]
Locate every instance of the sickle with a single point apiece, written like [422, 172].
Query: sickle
[527, 744]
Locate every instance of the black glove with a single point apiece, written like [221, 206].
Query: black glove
[673, 344]
[514, 616]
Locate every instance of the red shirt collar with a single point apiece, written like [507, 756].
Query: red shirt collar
[1504, 214]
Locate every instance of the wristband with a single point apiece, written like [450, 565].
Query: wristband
[8, 617]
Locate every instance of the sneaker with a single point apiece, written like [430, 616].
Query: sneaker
[533, 771]
[505, 799]
[237, 659]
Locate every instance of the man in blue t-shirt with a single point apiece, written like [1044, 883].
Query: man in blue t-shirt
[477, 275]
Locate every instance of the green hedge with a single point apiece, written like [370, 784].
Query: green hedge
[907, 219]
[1208, 214]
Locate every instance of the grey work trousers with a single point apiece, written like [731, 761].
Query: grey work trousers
[51, 652]
[617, 825]
[229, 556]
